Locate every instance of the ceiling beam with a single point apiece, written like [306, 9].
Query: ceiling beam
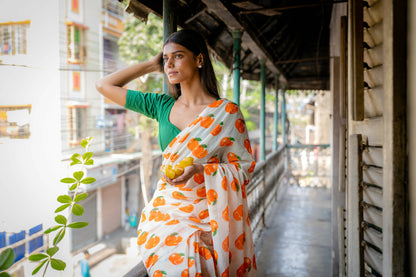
[232, 23]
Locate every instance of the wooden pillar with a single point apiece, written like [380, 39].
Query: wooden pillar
[263, 111]
[236, 66]
[169, 26]
[276, 114]
[283, 115]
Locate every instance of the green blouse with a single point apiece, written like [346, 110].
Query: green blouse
[156, 106]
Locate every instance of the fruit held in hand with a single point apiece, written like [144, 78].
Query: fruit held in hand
[178, 169]
[186, 162]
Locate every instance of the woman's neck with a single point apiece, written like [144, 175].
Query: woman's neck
[193, 94]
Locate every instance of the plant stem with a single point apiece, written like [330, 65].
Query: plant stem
[46, 267]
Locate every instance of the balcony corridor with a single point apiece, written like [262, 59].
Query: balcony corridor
[297, 239]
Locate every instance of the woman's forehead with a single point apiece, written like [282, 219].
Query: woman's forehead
[172, 47]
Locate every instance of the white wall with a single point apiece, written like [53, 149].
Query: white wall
[30, 168]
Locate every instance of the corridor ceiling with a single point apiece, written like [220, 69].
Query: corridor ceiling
[291, 35]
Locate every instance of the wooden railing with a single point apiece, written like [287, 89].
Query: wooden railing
[264, 189]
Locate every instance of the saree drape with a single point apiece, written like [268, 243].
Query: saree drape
[202, 228]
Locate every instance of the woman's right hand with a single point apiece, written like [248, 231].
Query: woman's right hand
[158, 61]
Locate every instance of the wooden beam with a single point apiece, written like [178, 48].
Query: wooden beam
[232, 23]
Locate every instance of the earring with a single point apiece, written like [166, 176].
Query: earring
[200, 66]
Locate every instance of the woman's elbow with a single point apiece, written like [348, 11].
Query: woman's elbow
[99, 86]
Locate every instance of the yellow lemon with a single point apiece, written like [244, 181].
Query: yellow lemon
[178, 171]
[169, 172]
[186, 162]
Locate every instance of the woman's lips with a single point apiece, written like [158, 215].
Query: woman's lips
[172, 73]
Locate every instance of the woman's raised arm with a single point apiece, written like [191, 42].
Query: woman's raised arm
[111, 86]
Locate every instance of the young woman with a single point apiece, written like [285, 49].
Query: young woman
[196, 224]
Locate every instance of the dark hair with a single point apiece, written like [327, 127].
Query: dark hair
[195, 43]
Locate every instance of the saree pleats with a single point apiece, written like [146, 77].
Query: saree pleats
[202, 228]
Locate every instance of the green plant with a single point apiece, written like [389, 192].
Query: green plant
[72, 204]
[6, 261]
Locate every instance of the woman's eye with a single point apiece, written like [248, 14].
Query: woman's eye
[178, 56]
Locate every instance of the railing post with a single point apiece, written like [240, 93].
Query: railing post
[276, 115]
[263, 111]
[169, 26]
[283, 115]
[236, 65]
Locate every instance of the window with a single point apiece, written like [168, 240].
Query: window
[77, 124]
[76, 43]
[75, 6]
[14, 121]
[13, 38]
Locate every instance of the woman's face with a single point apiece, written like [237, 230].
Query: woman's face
[180, 65]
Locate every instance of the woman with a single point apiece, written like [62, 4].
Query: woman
[196, 224]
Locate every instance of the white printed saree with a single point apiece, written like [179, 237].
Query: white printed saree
[202, 228]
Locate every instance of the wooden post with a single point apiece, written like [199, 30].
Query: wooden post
[263, 111]
[169, 26]
[236, 66]
[355, 208]
[276, 114]
[283, 115]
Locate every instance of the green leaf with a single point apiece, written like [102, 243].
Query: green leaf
[60, 219]
[78, 175]
[75, 157]
[74, 186]
[77, 209]
[61, 208]
[37, 257]
[75, 162]
[38, 267]
[51, 229]
[88, 180]
[84, 143]
[78, 225]
[89, 162]
[80, 197]
[4, 274]
[64, 199]
[6, 259]
[51, 251]
[87, 156]
[59, 236]
[68, 180]
[58, 264]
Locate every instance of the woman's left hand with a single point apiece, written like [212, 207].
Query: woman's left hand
[188, 173]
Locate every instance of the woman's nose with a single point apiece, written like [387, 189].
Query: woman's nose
[169, 62]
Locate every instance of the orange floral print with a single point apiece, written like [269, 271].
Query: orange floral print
[211, 169]
[151, 260]
[238, 213]
[159, 201]
[193, 143]
[227, 141]
[216, 104]
[199, 178]
[239, 242]
[240, 125]
[231, 108]
[207, 121]
[152, 242]
[217, 130]
[225, 214]
[173, 239]
[200, 151]
[187, 209]
[176, 258]
[212, 197]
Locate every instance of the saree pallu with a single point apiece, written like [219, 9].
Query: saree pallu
[202, 228]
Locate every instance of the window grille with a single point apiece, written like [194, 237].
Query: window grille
[13, 38]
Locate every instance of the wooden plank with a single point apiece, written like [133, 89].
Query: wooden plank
[374, 259]
[372, 130]
[373, 176]
[374, 237]
[373, 102]
[373, 156]
[395, 178]
[355, 60]
[373, 216]
[373, 36]
[374, 77]
[355, 209]
[374, 56]
[374, 14]
[373, 196]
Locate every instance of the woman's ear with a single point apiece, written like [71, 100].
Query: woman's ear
[200, 59]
